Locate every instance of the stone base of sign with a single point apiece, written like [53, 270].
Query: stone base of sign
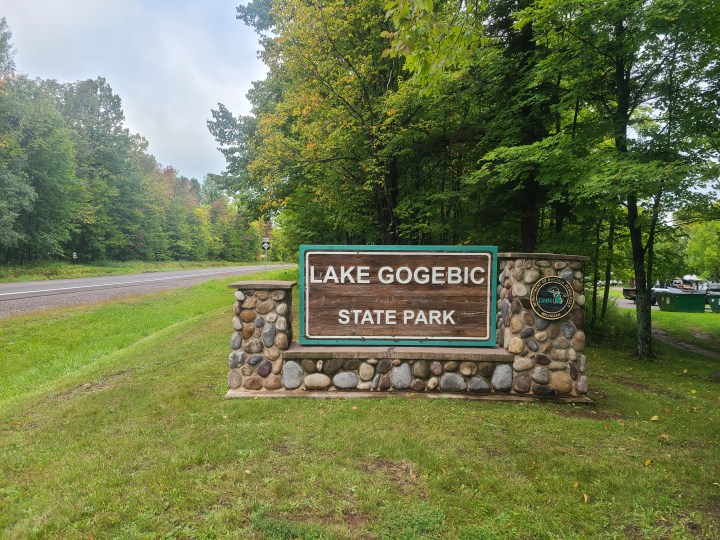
[474, 370]
[427, 370]
[582, 400]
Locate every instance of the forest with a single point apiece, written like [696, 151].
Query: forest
[535, 125]
[74, 179]
[532, 125]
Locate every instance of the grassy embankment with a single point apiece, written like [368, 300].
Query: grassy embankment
[64, 270]
[113, 424]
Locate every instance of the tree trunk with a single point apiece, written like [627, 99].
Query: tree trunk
[644, 347]
[596, 271]
[621, 120]
[528, 226]
[391, 198]
[529, 215]
[561, 210]
[608, 267]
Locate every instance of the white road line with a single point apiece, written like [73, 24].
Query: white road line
[122, 283]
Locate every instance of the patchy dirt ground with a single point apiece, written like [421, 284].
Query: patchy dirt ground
[667, 338]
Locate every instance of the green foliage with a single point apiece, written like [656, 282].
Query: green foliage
[7, 52]
[74, 179]
[555, 125]
[437, 39]
[617, 329]
[703, 249]
[591, 107]
[318, 134]
[16, 192]
[256, 13]
[38, 163]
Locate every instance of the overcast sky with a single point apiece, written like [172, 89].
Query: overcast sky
[170, 61]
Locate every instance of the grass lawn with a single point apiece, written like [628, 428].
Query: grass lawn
[63, 270]
[615, 292]
[113, 425]
[701, 329]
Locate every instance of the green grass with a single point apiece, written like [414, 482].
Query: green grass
[63, 270]
[700, 329]
[615, 292]
[135, 440]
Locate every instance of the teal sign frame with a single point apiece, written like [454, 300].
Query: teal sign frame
[492, 305]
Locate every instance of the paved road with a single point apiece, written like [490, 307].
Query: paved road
[30, 296]
[623, 303]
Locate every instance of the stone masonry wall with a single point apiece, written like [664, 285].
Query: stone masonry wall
[534, 356]
[549, 357]
[262, 331]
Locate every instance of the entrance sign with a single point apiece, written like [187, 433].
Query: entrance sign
[396, 295]
[552, 298]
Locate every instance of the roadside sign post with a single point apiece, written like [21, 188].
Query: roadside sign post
[265, 246]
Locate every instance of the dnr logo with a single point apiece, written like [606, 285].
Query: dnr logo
[552, 298]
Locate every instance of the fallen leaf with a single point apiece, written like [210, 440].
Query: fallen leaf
[664, 436]
[655, 418]
[586, 498]
[576, 485]
[684, 371]
[354, 408]
[621, 422]
[693, 391]
[648, 462]
[637, 413]
[247, 471]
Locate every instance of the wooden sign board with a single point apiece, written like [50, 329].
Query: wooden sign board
[396, 295]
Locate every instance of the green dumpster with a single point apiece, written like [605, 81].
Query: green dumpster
[714, 301]
[686, 302]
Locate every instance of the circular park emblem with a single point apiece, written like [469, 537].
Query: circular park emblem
[552, 298]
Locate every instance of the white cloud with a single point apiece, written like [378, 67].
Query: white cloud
[170, 62]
